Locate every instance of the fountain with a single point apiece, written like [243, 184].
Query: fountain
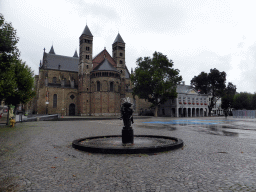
[128, 143]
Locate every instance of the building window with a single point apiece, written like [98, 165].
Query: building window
[72, 97]
[98, 86]
[87, 66]
[54, 101]
[111, 86]
[121, 54]
[120, 62]
[54, 80]
[87, 57]
[87, 48]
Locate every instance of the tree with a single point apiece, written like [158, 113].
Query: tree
[228, 98]
[16, 79]
[212, 83]
[243, 100]
[155, 80]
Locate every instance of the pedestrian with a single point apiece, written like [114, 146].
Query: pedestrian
[226, 114]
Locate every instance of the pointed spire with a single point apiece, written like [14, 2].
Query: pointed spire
[52, 50]
[75, 54]
[87, 31]
[118, 39]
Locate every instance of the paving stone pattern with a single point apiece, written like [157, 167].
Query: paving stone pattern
[38, 156]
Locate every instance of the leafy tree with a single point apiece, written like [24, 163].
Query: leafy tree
[16, 79]
[243, 100]
[155, 80]
[8, 44]
[228, 97]
[253, 101]
[212, 83]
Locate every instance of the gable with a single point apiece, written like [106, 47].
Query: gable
[98, 59]
[192, 91]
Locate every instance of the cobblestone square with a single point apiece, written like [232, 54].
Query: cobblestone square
[218, 155]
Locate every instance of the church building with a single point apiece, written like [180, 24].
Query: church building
[85, 84]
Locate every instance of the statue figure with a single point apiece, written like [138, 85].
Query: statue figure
[126, 112]
[126, 115]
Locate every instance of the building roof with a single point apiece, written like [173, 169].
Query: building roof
[75, 54]
[63, 63]
[127, 73]
[101, 56]
[105, 66]
[188, 89]
[118, 39]
[52, 50]
[87, 31]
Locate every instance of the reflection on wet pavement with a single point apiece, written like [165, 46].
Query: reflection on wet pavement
[220, 127]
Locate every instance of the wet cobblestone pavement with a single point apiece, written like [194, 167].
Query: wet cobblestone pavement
[37, 156]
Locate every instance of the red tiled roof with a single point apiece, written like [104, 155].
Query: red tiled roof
[100, 57]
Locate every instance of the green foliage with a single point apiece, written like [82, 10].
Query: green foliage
[16, 79]
[228, 98]
[244, 100]
[154, 79]
[8, 42]
[212, 83]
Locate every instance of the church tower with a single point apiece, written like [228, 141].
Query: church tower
[84, 68]
[118, 54]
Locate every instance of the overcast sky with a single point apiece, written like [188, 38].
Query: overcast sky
[197, 35]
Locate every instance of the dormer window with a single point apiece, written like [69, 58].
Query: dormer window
[59, 67]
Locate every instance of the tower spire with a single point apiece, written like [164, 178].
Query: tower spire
[75, 54]
[87, 31]
[52, 50]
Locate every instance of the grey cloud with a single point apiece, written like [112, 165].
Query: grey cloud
[159, 17]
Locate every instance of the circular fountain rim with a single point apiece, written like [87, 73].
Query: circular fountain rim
[112, 150]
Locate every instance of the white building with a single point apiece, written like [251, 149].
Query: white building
[189, 103]
[217, 110]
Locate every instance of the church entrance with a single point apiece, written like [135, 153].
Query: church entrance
[72, 109]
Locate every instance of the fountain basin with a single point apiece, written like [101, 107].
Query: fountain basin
[112, 144]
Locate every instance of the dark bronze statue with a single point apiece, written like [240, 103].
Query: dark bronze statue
[126, 115]
[126, 112]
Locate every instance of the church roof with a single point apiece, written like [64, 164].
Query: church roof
[52, 50]
[101, 56]
[87, 31]
[118, 39]
[63, 63]
[75, 54]
[105, 66]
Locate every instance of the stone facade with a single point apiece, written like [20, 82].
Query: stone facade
[85, 85]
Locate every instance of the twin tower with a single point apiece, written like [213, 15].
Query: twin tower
[103, 79]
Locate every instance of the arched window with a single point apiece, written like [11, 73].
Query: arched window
[54, 101]
[111, 86]
[120, 62]
[54, 80]
[98, 86]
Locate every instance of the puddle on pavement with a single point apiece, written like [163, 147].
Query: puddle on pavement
[230, 131]
[214, 127]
